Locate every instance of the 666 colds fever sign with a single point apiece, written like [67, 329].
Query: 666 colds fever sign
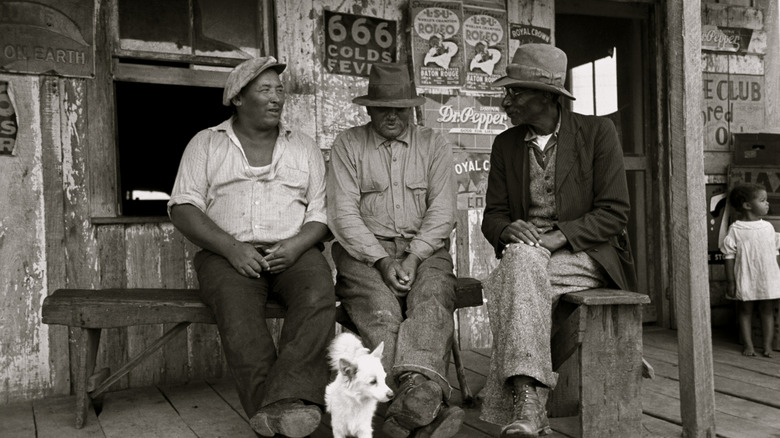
[355, 42]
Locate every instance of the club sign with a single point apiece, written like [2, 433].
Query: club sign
[353, 43]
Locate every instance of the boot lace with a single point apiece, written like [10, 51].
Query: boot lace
[525, 403]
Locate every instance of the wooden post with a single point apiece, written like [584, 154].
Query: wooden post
[690, 279]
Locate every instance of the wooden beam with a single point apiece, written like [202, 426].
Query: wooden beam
[690, 279]
[772, 62]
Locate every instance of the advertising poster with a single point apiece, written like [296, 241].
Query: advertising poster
[485, 43]
[470, 122]
[471, 174]
[47, 36]
[8, 123]
[525, 34]
[731, 103]
[353, 43]
[437, 49]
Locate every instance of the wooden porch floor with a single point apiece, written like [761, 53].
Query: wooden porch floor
[747, 403]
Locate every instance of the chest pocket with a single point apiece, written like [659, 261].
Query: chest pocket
[292, 181]
[373, 188]
[418, 191]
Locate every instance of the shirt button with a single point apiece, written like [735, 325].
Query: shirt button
[395, 183]
[397, 206]
[395, 159]
[257, 226]
[257, 202]
[549, 190]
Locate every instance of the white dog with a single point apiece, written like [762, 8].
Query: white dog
[351, 399]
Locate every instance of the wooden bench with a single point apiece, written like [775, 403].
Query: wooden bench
[92, 310]
[597, 351]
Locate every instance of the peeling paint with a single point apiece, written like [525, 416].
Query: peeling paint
[24, 346]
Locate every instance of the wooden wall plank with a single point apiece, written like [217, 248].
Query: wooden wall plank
[101, 113]
[81, 263]
[51, 157]
[173, 276]
[112, 352]
[143, 270]
[687, 204]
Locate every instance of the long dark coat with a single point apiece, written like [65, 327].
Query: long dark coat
[591, 193]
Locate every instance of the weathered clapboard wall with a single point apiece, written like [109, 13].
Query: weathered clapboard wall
[740, 74]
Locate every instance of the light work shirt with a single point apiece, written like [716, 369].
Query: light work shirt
[258, 205]
[381, 189]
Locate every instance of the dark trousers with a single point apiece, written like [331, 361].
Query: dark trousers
[300, 370]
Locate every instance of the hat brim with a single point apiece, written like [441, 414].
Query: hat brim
[506, 81]
[389, 103]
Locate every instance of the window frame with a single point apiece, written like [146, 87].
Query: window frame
[114, 64]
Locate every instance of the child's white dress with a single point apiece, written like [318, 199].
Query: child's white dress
[754, 247]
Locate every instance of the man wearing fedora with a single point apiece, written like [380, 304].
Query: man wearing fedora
[556, 209]
[391, 207]
[251, 193]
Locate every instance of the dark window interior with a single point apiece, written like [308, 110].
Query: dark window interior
[154, 124]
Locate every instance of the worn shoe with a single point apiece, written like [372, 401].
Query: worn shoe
[446, 424]
[290, 418]
[417, 403]
[529, 418]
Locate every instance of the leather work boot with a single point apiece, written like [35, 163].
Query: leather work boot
[416, 404]
[446, 424]
[291, 418]
[529, 418]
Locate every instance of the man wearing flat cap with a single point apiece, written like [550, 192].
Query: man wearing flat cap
[251, 193]
[556, 210]
[391, 207]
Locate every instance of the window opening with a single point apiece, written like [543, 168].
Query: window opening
[154, 124]
[594, 84]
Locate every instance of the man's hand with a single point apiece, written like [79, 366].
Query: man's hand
[521, 231]
[394, 276]
[282, 255]
[553, 240]
[246, 260]
[409, 265]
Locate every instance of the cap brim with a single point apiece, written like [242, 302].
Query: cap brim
[396, 103]
[506, 81]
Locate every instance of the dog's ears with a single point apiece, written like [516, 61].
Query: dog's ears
[378, 350]
[347, 368]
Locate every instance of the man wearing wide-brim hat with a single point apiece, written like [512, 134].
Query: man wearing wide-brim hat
[556, 212]
[251, 193]
[391, 207]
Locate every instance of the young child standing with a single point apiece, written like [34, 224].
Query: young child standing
[752, 263]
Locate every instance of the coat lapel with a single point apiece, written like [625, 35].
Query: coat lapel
[521, 172]
[569, 139]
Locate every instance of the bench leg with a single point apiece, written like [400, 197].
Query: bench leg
[86, 341]
[611, 372]
[466, 395]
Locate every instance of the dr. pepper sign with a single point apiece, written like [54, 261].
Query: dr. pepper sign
[354, 42]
